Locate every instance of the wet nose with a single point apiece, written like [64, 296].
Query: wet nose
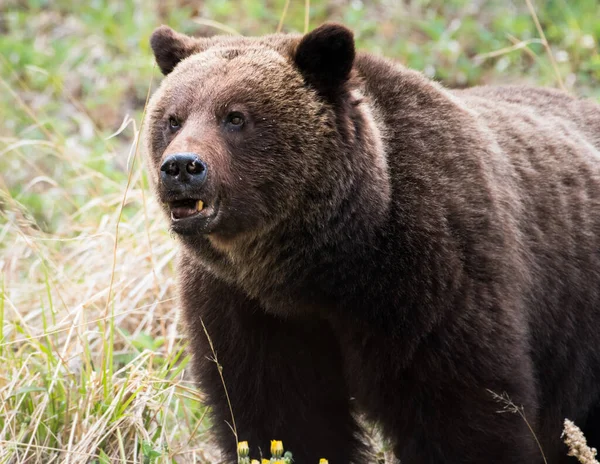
[183, 169]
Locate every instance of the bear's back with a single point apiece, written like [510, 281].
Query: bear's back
[513, 176]
[513, 173]
[551, 141]
[552, 108]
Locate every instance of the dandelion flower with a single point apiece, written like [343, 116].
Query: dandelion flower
[243, 449]
[276, 448]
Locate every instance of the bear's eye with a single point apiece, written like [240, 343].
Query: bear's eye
[174, 124]
[235, 120]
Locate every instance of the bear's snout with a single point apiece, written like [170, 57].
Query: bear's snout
[183, 170]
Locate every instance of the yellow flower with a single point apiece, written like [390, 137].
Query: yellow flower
[243, 449]
[323, 461]
[255, 461]
[265, 461]
[276, 448]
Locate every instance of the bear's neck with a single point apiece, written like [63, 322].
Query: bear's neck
[298, 271]
[309, 262]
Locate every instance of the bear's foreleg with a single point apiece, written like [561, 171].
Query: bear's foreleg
[283, 378]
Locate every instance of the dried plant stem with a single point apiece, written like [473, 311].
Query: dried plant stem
[511, 407]
[283, 15]
[503, 51]
[215, 24]
[546, 44]
[129, 177]
[220, 369]
[306, 15]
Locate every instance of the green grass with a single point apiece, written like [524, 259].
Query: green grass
[92, 359]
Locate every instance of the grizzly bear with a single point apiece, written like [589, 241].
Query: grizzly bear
[359, 245]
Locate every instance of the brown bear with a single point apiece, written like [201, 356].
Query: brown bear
[357, 239]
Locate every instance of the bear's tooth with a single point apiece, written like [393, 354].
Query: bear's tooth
[199, 205]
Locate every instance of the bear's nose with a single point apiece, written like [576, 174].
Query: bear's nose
[180, 169]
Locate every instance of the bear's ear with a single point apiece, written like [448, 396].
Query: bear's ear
[171, 47]
[325, 56]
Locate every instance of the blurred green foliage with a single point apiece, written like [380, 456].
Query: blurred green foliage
[72, 71]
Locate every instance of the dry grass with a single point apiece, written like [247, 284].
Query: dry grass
[93, 358]
[578, 447]
[508, 406]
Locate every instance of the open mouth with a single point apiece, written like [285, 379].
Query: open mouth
[183, 209]
[192, 216]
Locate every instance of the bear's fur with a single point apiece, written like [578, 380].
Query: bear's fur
[374, 243]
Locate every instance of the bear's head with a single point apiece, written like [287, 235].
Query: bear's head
[250, 135]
